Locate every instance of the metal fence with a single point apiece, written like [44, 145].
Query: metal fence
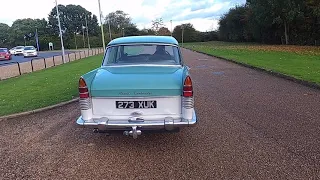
[13, 69]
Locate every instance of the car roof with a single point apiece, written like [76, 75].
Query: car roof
[144, 39]
[29, 46]
[3, 48]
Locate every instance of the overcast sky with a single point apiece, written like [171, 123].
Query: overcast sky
[203, 14]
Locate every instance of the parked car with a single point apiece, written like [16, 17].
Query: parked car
[18, 50]
[12, 51]
[30, 51]
[5, 54]
[142, 84]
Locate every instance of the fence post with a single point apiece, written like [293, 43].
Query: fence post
[45, 64]
[54, 63]
[68, 57]
[31, 65]
[19, 68]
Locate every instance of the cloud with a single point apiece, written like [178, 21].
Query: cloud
[142, 12]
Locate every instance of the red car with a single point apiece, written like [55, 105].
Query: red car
[5, 54]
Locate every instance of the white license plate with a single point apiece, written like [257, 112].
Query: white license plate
[136, 104]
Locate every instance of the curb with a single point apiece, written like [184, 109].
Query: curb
[273, 73]
[37, 110]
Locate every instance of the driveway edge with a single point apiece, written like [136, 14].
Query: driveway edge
[37, 110]
[277, 74]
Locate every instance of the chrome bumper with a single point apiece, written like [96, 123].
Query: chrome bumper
[165, 124]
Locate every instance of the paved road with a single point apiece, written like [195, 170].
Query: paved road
[252, 126]
[41, 54]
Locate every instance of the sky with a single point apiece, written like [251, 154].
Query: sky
[203, 14]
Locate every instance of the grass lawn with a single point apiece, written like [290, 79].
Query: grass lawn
[301, 62]
[44, 88]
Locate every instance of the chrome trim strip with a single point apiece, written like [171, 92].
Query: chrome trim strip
[187, 102]
[144, 65]
[85, 103]
[104, 123]
[150, 43]
[132, 97]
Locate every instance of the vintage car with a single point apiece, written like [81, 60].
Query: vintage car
[142, 84]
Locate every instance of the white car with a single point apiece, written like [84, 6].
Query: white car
[30, 51]
[18, 50]
[12, 51]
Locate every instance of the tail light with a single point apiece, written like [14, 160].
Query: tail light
[83, 89]
[187, 87]
[187, 99]
[85, 103]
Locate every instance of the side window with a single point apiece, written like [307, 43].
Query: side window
[169, 49]
[111, 55]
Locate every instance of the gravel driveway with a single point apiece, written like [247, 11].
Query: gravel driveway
[251, 126]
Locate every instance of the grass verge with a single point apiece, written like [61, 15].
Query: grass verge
[44, 88]
[296, 61]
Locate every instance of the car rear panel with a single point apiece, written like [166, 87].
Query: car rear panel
[107, 107]
[137, 82]
[156, 89]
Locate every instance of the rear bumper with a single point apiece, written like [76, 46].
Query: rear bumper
[30, 55]
[165, 124]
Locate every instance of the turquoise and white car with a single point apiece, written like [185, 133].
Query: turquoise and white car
[142, 84]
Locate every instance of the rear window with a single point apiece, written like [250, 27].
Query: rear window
[142, 54]
[21, 47]
[3, 50]
[29, 48]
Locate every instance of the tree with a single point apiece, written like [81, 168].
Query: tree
[73, 19]
[189, 33]
[147, 32]
[118, 20]
[4, 35]
[157, 24]
[163, 31]
[277, 12]
[233, 25]
[22, 27]
[132, 31]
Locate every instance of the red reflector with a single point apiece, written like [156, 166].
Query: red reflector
[187, 88]
[84, 95]
[83, 90]
[187, 93]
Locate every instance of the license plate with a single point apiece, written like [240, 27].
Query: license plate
[136, 104]
[1, 56]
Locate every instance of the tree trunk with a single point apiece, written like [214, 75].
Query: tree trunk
[286, 29]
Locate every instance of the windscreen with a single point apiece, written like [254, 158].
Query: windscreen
[142, 54]
[3, 50]
[29, 48]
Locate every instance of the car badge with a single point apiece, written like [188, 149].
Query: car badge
[136, 113]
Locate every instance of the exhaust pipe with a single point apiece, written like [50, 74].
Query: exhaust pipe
[134, 132]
